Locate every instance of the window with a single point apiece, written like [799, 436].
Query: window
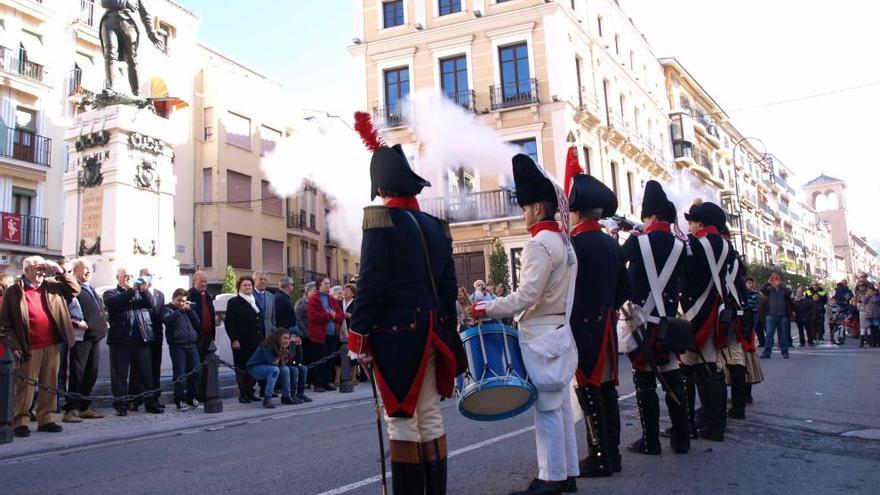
[631, 191]
[528, 147]
[207, 249]
[392, 13]
[165, 32]
[449, 6]
[22, 200]
[238, 131]
[454, 80]
[614, 177]
[238, 250]
[238, 189]
[587, 160]
[269, 139]
[617, 44]
[461, 181]
[273, 256]
[396, 92]
[303, 253]
[599, 24]
[26, 145]
[580, 86]
[272, 204]
[207, 185]
[314, 252]
[208, 123]
[516, 82]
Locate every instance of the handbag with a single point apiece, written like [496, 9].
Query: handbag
[448, 327]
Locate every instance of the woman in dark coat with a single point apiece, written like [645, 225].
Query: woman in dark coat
[244, 325]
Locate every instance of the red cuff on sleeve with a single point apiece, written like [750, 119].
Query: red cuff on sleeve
[357, 343]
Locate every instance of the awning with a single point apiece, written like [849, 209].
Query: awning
[91, 76]
[8, 38]
[159, 93]
[33, 44]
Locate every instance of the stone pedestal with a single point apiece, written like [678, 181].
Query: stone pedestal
[119, 195]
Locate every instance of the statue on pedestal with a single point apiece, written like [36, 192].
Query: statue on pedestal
[120, 37]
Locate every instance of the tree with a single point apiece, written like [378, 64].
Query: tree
[229, 281]
[499, 271]
[761, 274]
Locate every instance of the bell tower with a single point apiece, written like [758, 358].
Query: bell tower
[826, 195]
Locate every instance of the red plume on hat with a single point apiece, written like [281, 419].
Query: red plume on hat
[572, 168]
[363, 124]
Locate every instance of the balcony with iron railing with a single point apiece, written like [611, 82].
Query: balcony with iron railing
[34, 232]
[295, 221]
[26, 146]
[87, 13]
[473, 206]
[75, 87]
[11, 61]
[514, 94]
[466, 99]
[390, 116]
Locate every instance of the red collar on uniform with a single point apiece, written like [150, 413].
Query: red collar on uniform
[406, 202]
[550, 225]
[589, 225]
[711, 229]
[659, 227]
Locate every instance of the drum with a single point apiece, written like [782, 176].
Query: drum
[496, 385]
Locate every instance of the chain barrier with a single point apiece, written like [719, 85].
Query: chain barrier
[141, 397]
[319, 362]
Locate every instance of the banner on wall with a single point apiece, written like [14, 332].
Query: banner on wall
[11, 227]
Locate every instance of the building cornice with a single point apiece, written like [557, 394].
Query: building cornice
[396, 54]
[451, 43]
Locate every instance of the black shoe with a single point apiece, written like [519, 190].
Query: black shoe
[304, 398]
[267, 403]
[161, 406]
[22, 431]
[570, 485]
[253, 397]
[50, 428]
[330, 387]
[134, 406]
[244, 400]
[736, 414]
[318, 390]
[153, 410]
[593, 468]
[288, 401]
[181, 406]
[122, 412]
[541, 487]
[640, 446]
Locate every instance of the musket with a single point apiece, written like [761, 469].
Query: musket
[641, 336]
[369, 370]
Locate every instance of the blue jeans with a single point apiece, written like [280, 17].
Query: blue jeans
[298, 376]
[777, 324]
[184, 360]
[272, 374]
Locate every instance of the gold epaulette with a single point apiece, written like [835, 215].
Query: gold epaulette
[377, 217]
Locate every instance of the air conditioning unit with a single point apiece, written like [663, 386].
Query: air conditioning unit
[5, 259]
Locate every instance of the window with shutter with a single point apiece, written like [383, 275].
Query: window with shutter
[238, 189]
[238, 250]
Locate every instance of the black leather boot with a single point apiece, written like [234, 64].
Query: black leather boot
[597, 462]
[434, 461]
[612, 415]
[737, 392]
[407, 469]
[541, 487]
[679, 438]
[649, 413]
[712, 391]
[690, 385]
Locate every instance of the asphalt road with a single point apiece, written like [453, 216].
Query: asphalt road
[793, 441]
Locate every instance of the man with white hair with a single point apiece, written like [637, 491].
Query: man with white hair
[130, 337]
[203, 304]
[34, 319]
[265, 300]
[85, 354]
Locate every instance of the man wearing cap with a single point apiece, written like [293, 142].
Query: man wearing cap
[601, 288]
[543, 307]
[406, 290]
[703, 297]
[658, 248]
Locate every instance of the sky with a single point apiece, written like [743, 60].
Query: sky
[745, 53]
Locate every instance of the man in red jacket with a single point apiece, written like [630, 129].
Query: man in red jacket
[325, 322]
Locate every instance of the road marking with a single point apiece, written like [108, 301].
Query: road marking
[463, 450]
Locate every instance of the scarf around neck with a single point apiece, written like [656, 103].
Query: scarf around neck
[250, 299]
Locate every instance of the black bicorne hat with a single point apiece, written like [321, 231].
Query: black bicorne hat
[532, 185]
[588, 192]
[390, 171]
[707, 213]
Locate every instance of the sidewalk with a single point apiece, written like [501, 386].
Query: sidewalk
[137, 425]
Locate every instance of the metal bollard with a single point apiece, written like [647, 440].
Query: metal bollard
[213, 404]
[345, 385]
[7, 393]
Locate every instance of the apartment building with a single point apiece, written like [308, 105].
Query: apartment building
[534, 71]
[225, 117]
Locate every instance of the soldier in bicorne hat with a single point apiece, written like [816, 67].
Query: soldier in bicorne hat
[543, 303]
[656, 257]
[601, 288]
[397, 320]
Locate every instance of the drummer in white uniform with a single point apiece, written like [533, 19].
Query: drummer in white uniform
[542, 305]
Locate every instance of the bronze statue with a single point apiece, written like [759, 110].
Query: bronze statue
[119, 39]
